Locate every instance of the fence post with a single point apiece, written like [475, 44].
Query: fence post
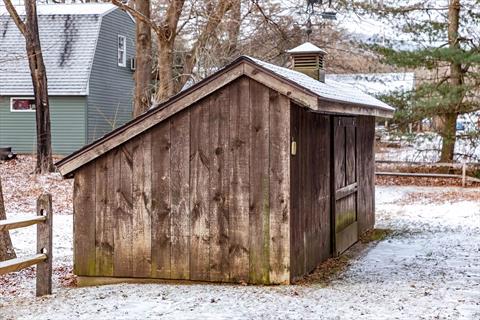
[44, 245]
[464, 174]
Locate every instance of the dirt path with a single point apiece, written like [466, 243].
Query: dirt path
[428, 268]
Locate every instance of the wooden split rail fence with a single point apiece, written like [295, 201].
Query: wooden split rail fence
[462, 166]
[43, 257]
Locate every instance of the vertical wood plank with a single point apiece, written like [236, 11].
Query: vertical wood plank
[239, 120]
[339, 156]
[180, 173]
[279, 167]
[304, 204]
[199, 191]
[324, 199]
[366, 173]
[351, 156]
[44, 245]
[104, 220]
[123, 232]
[161, 248]
[84, 221]
[259, 184]
[219, 185]
[295, 245]
[142, 204]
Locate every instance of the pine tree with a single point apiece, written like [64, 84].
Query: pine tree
[440, 41]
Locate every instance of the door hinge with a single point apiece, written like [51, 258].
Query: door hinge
[294, 148]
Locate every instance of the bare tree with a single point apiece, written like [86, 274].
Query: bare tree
[29, 29]
[143, 71]
[166, 31]
[6, 248]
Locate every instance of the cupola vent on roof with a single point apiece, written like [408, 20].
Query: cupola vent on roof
[308, 59]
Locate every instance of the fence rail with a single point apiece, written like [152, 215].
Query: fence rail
[43, 257]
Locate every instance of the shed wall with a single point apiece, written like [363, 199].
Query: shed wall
[366, 173]
[311, 182]
[203, 195]
[310, 190]
[111, 86]
[67, 115]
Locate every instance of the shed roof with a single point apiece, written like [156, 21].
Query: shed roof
[329, 90]
[68, 35]
[330, 97]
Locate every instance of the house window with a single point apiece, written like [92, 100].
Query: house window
[122, 52]
[22, 105]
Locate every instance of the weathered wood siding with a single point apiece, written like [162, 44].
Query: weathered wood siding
[366, 173]
[310, 191]
[203, 195]
[312, 228]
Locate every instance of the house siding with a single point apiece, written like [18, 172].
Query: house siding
[111, 86]
[67, 115]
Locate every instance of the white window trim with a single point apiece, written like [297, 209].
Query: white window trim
[124, 61]
[20, 98]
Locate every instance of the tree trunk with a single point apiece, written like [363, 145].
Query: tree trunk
[144, 60]
[165, 88]
[6, 248]
[215, 18]
[40, 89]
[456, 79]
[448, 135]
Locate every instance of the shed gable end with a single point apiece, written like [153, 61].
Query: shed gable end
[186, 203]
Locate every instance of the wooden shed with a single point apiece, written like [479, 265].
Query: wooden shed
[256, 174]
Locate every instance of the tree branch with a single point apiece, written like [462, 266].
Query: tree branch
[136, 14]
[16, 18]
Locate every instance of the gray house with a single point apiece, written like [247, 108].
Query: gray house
[87, 50]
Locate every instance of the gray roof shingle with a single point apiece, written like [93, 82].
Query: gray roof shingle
[68, 44]
[329, 90]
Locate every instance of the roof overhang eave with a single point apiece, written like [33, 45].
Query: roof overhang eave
[339, 107]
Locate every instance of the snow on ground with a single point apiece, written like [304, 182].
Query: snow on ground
[428, 268]
[425, 147]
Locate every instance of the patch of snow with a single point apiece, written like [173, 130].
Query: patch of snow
[428, 268]
[377, 83]
[306, 47]
[329, 89]
[425, 147]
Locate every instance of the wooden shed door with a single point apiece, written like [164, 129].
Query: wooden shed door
[344, 182]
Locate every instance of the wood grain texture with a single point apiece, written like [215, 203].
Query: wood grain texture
[142, 204]
[16, 223]
[123, 232]
[44, 245]
[148, 120]
[259, 231]
[279, 188]
[345, 188]
[366, 173]
[199, 191]
[180, 195]
[220, 166]
[239, 122]
[104, 218]
[161, 197]
[84, 193]
[17, 264]
[310, 191]
[296, 246]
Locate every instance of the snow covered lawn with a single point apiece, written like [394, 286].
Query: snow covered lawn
[428, 268]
